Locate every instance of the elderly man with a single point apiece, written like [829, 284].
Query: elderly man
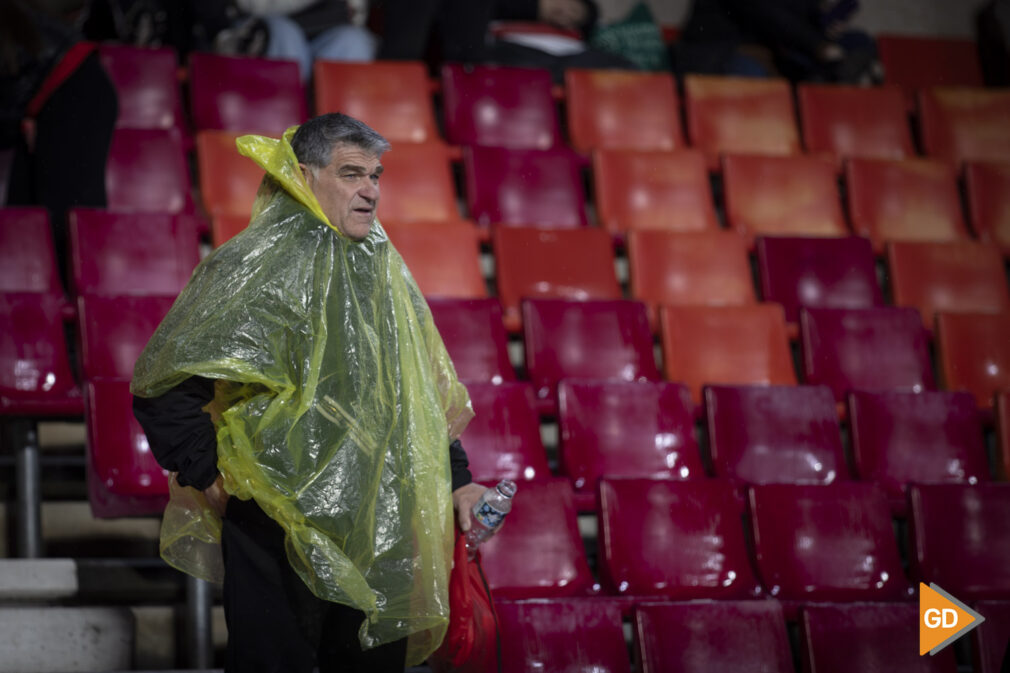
[301, 395]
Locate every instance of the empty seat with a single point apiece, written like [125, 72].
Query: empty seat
[868, 637]
[524, 187]
[228, 180]
[782, 196]
[907, 200]
[987, 185]
[961, 538]
[499, 106]
[992, 637]
[245, 94]
[533, 263]
[964, 124]
[124, 479]
[585, 339]
[225, 226]
[622, 109]
[855, 121]
[475, 337]
[624, 429]
[865, 349]
[961, 276]
[652, 190]
[394, 98]
[704, 345]
[914, 62]
[132, 253]
[443, 257]
[901, 438]
[562, 635]
[146, 172]
[818, 272]
[698, 637]
[829, 542]
[774, 434]
[740, 116]
[973, 350]
[147, 86]
[503, 439]
[27, 254]
[538, 553]
[114, 330]
[679, 540]
[417, 184]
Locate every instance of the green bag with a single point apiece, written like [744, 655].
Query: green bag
[637, 38]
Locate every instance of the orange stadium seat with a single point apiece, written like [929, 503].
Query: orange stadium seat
[475, 337]
[443, 257]
[225, 226]
[914, 63]
[417, 184]
[965, 124]
[987, 185]
[147, 172]
[973, 350]
[622, 110]
[228, 180]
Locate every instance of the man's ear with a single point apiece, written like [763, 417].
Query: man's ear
[309, 177]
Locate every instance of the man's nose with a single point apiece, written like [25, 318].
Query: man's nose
[369, 191]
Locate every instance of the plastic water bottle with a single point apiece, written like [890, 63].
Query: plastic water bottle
[489, 512]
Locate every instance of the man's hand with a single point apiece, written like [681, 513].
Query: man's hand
[463, 500]
[563, 13]
[216, 496]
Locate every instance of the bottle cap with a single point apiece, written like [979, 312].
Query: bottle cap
[507, 487]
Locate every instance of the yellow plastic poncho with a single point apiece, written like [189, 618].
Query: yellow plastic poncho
[338, 413]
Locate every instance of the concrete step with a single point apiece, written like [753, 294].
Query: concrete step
[66, 639]
[37, 580]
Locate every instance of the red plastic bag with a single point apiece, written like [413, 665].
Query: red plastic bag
[471, 643]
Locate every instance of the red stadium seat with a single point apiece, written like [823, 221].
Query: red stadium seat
[228, 180]
[782, 196]
[499, 106]
[653, 190]
[225, 226]
[676, 540]
[244, 94]
[901, 438]
[114, 331]
[915, 63]
[147, 86]
[538, 553]
[524, 187]
[961, 277]
[443, 257]
[735, 345]
[622, 110]
[147, 172]
[737, 636]
[503, 439]
[132, 253]
[394, 98]
[865, 349]
[987, 184]
[992, 637]
[826, 543]
[965, 124]
[973, 350]
[961, 538]
[27, 254]
[475, 337]
[417, 184]
[624, 429]
[532, 263]
[775, 434]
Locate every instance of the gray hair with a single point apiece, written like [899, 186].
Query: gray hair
[314, 140]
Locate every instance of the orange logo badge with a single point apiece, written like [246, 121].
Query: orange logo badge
[942, 619]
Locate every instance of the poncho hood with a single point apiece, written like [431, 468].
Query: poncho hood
[335, 405]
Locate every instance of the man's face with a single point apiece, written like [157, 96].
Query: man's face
[348, 189]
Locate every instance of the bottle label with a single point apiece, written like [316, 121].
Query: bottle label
[488, 515]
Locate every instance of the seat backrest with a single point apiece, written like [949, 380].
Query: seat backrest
[1002, 420]
[225, 226]
[131, 253]
[586, 339]
[915, 62]
[884, 348]
[830, 542]
[782, 196]
[499, 106]
[393, 97]
[705, 345]
[775, 434]
[146, 172]
[964, 124]
[443, 257]
[739, 635]
[524, 187]
[837, 638]
[855, 121]
[562, 635]
[244, 94]
[740, 115]
[899, 438]
[637, 189]
[533, 263]
[959, 276]
[625, 429]
[228, 180]
[826, 272]
[680, 540]
[475, 337]
[538, 553]
[114, 330]
[622, 109]
[503, 439]
[960, 538]
[987, 186]
[147, 86]
[27, 254]
[991, 640]
[417, 184]
[973, 352]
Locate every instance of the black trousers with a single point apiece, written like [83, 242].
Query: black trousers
[275, 624]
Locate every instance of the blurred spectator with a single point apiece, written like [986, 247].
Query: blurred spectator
[992, 25]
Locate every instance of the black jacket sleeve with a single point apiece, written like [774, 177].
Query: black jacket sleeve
[459, 464]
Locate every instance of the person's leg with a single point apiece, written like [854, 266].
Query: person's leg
[344, 43]
[287, 42]
[406, 28]
[340, 650]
